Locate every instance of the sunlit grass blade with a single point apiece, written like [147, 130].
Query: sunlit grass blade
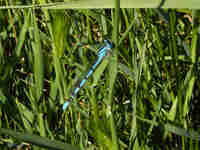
[110, 4]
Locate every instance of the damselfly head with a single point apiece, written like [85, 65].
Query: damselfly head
[105, 48]
[108, 43]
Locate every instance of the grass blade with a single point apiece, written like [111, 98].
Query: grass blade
[75, 4]
[37, 140]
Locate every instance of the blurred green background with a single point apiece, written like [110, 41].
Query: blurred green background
[145, 95]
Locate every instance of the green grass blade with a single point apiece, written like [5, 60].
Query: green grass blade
[38, 60]
[98, 72]
[190, 73]
[182, 132]
[113, 73]
[23, 33]
[37, 140]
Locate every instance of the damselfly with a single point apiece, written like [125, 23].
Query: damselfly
[102, 53]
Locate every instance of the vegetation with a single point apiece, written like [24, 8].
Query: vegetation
[143, 96]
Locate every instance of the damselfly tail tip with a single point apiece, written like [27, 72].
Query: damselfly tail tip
[65, 105]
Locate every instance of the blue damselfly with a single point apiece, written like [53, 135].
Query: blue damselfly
[102, 53]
